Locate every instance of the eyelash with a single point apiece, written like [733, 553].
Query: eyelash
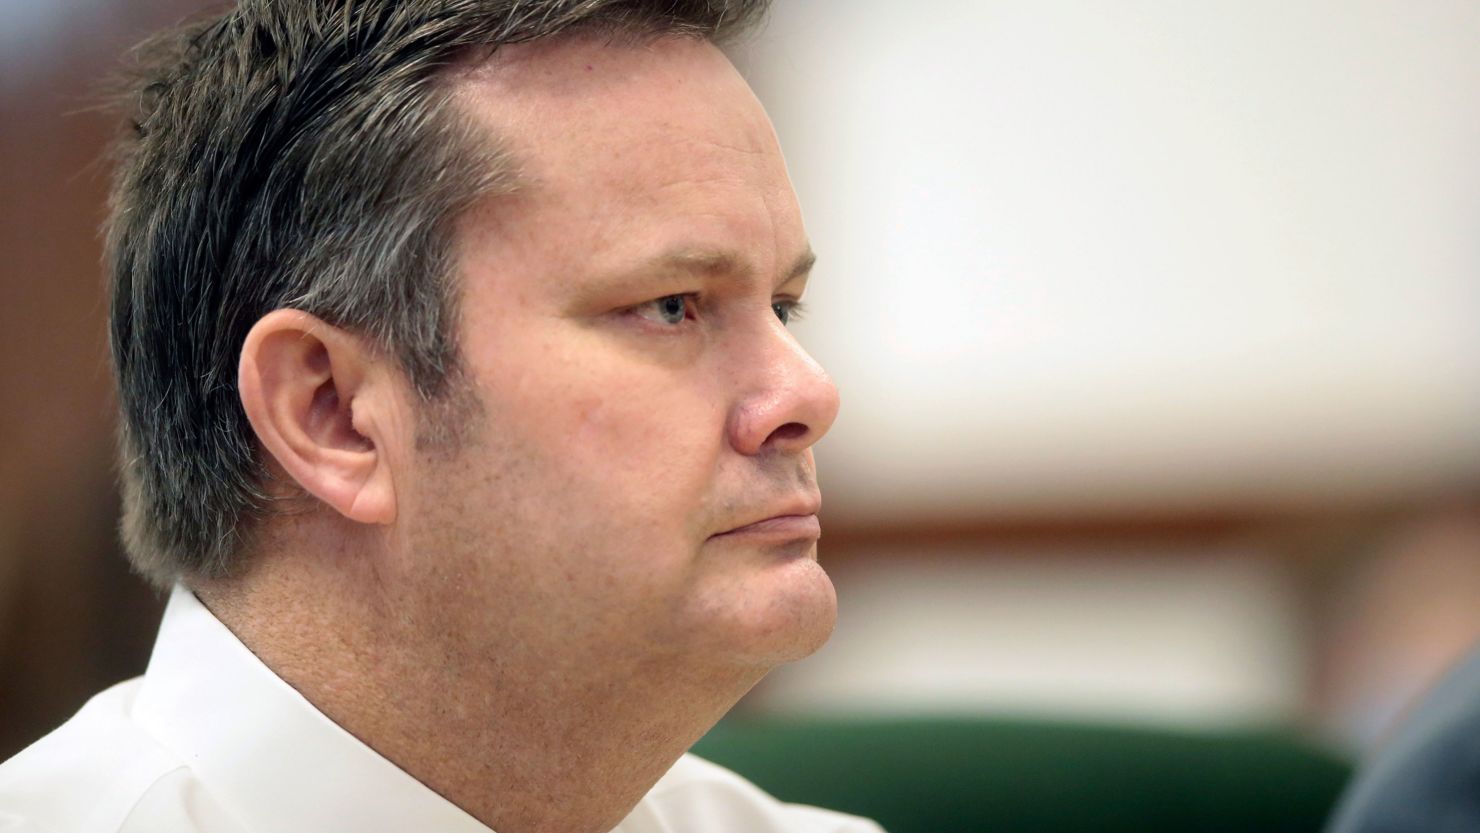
[795, 310]
[690, 300]
[792, 309]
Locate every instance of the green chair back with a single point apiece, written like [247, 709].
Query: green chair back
[1030, 776]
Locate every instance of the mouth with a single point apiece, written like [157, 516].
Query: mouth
[780, 528]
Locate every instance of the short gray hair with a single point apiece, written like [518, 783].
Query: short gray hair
[301, 154]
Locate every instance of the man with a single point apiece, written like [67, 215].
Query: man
[460, 411]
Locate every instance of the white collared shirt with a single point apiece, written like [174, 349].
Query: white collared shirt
[210, 740]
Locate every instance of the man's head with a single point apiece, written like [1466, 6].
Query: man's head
[511, 319]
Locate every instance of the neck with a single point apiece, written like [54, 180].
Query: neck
[523, 739]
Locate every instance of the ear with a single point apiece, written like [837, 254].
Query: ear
[324, 406]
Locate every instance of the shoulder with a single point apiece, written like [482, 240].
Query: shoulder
[697, 795]
[97, 772]
[1426, 777]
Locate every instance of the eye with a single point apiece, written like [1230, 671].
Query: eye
[787, 310]
[670, 309]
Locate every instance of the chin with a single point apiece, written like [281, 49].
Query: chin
[783, 616]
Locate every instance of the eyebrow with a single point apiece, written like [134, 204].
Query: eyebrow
[715, 261]
[803, 264]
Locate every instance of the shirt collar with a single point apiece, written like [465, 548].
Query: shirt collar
[264, 751]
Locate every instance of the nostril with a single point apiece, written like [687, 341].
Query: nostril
[789, 431]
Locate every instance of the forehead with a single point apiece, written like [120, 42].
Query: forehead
[621, 142]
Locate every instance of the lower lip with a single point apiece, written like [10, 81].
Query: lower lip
[782, 528]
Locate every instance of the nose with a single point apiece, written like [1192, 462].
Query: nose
[788, 401]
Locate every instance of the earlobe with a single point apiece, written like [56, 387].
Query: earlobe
[314, 397]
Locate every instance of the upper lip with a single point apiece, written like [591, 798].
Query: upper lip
[800, 506]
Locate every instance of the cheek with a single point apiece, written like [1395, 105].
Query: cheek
[620, 444]
[646, 445]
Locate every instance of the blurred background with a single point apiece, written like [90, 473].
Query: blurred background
[1155, 325]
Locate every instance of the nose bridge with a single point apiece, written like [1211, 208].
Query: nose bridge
[786, 401]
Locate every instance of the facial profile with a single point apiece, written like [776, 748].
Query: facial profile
[640, 480]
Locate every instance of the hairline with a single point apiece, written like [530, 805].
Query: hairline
[204, 445]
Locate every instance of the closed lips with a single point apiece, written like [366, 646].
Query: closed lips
[789, 526]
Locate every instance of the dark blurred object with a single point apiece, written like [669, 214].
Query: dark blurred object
[931, 775]
[1426, 777]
